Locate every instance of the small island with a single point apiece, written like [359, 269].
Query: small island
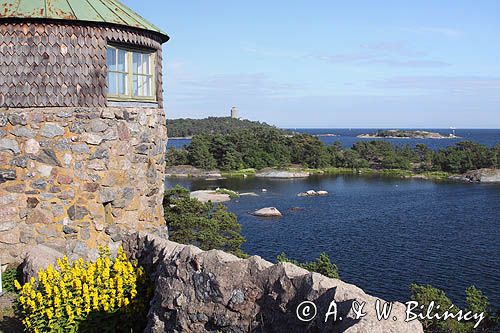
[407, 134]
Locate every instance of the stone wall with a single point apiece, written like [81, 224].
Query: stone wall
[73, 178]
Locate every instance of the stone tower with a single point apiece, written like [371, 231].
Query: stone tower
[82, 126]
[234, 112]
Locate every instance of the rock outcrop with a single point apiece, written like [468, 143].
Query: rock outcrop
[207, 195]
[185, 171]
[271, 173]
[267, 212]
[479, 176]
[213, 291]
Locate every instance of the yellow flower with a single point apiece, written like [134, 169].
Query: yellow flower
[17, 285]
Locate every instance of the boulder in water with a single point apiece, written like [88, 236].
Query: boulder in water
[268, 212]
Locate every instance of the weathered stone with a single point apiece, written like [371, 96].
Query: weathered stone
[32, 202]
[80, 148]
[77, 128]
[9, 145]
[123, 131]
[26, 237]
[106, 195]
[20, 162]
[84, 234]
[39, 184]
[45, 170]
[3, 120]
[10, 237]
[111, 135]
[77, 212]
[65, 114]
[107, 114]
[48, 156]
[100, 154]
[23, 132]
[6, 226]
[6, 199]
[63, 145]
[69, 230]
[38, 215]
[47, 230]
[37, 258]
[98, 126]
[32, 146]
[17, 188]
[17, 119]
[8, 213]
[51, 130]
[64, 179]
[143, 149]
[54, 189]
[114, 232]
[6, 175]
[227, 293]
[90, 187]
[92, 139]
[67, 158]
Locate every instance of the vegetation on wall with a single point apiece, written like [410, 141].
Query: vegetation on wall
[204, 225]
[269, 147]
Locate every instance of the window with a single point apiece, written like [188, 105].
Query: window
[130, 74]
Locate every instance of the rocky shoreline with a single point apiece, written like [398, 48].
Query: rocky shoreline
[476, 176]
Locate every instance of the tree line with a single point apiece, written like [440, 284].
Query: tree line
[270, 147]
[222, 125]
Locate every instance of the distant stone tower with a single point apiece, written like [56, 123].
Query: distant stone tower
[82, 125]
[234, 112]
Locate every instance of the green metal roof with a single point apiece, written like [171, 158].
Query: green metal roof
[102, 11]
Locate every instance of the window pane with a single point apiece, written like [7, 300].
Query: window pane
[122, 60]
[122, 84]
[145, 64]
[136, 62]
[112, 89]
[135, 88]
[111, 59]
[147, 86]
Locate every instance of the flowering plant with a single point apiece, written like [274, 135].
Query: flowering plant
[84, 296]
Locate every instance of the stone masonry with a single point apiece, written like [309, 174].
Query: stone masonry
[76, 178]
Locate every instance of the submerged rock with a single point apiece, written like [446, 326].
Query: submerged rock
[268, 212]
[312, 193]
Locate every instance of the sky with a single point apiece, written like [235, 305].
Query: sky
[332, 64]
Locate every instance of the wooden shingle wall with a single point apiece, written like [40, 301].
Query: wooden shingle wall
[62, 65]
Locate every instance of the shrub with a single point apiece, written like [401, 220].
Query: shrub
[321, 265]
[204, 225]
[99, 296]
[8, 278]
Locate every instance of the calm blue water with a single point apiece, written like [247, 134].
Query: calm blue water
[383, 233]
[348, 137]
